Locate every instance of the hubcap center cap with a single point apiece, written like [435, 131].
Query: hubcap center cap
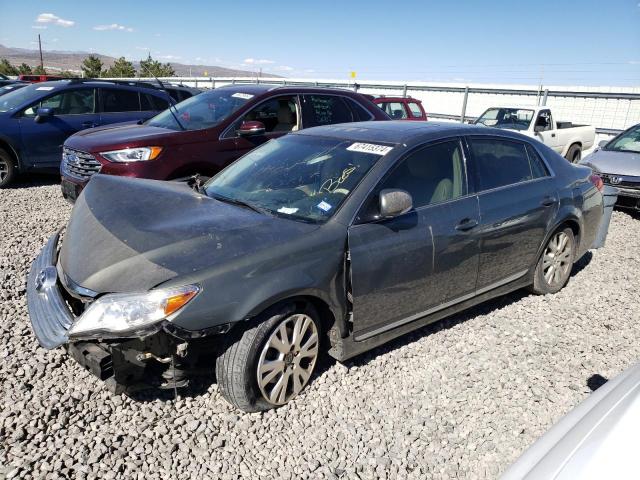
[288, 358]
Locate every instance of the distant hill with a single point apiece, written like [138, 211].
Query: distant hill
[71, 61]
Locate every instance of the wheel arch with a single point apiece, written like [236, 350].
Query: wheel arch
[7, 146]
[328, 314]
[570, 145]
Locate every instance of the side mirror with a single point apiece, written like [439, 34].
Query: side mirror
[251, 128]
[602, 143]
[394, 202]
[538, 128]
[42, 114]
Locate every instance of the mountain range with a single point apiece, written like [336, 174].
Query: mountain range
[55, 60]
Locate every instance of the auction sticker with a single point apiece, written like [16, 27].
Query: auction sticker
[369, 148]
[324, 206]
[245, 96]
[44, 88]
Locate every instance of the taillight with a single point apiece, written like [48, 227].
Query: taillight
[597, 182]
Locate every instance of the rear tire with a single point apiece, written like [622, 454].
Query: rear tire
[574, 155]
[8, 170]
[272, 361]
[554, 266]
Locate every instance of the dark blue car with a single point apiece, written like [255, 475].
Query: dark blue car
[37, 119]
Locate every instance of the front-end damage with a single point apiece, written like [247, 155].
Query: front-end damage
[159, 355]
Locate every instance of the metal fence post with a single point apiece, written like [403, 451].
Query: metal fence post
[464, 104]
[404, 90]
[196, 82]
[213, 83]
[544, 98]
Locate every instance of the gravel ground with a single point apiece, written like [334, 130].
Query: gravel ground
[459, 399]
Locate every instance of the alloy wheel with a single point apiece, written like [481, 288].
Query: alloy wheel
[287, 359]
[556, 262]
[4, 170]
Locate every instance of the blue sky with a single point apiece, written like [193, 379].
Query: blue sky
[571, 42]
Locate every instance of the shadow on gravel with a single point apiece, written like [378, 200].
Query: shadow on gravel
[581, 263]
[34, 180]
[595, 381]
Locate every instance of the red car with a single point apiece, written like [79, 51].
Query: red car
[402, 108]
[205, 133]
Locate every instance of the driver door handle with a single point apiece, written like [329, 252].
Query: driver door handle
[88, 124]
[466, 224]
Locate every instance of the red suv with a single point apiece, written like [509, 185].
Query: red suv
[205, 133]
[402, 108]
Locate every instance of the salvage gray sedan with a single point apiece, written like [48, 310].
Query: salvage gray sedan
[618, 163]
[334, 238]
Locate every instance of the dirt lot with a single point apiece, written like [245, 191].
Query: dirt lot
[459, 399]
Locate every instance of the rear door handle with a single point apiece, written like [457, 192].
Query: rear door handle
[548, 201]
[88, 124]
[466, 224]
[553, 135]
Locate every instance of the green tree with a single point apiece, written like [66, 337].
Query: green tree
[6, 68]
[24, 69]
[67, 74]
[121, 68]
[151, 67]
[92, 66]
[39, 70]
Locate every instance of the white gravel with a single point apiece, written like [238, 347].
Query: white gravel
[459, 399]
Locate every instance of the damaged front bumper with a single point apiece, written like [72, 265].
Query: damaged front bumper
[50, 315]
[124, 364]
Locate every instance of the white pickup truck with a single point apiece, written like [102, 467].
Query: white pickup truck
[567, 139]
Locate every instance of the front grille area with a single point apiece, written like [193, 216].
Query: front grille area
[621, 181]
[79, 164]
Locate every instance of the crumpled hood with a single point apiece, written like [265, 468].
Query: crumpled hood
[130, 133]
[621, 163]
[129, 235]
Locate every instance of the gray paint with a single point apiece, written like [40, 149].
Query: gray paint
[133, 235]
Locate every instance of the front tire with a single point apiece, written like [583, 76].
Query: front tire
[8, 169]
[554, 266]
[271, 362]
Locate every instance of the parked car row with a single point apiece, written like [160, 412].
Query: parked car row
[36, 120]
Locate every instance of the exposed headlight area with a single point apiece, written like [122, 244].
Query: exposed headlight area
[129, 314]
[138, 154]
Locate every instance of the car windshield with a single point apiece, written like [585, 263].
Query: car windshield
[627, 142]
[19, 97]
[297, 176]
[507, 118]
[201, 111]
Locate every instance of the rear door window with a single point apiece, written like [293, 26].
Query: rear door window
[324, 110]
[499, 162]
[394, 109]
[120, 100]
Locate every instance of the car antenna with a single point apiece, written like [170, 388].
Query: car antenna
[172, 107]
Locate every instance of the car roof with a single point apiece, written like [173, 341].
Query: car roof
[397, 99]
[261, 88]
[401, 131]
